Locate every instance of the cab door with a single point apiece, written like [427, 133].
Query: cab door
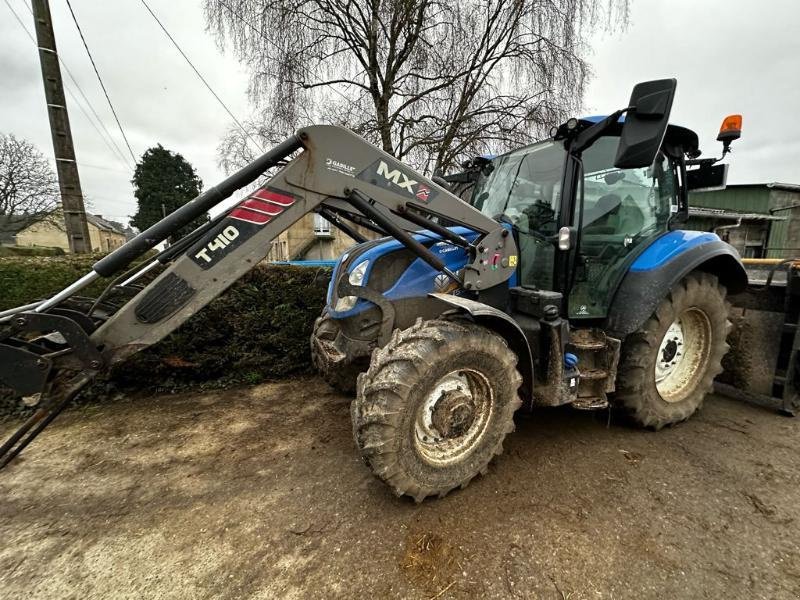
[524, 188]
[623, 211]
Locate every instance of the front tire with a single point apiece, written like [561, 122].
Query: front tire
[435, 405]
[668, 366]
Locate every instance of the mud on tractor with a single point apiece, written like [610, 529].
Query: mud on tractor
[566, 280]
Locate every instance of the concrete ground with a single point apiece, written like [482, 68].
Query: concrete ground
[259, 493]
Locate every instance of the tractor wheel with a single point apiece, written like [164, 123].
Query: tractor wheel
[338, 370]
[668, 366]
[435, 405]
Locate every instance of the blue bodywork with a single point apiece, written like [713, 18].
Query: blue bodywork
[417, 280]
[668, 246]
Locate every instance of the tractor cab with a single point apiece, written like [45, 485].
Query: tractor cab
[612, 215]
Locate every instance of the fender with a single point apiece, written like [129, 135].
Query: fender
[501, 323]
[664, 263]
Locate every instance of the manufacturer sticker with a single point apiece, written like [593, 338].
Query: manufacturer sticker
[339, 167]
[397, 179]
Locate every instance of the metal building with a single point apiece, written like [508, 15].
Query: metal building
[760, 220]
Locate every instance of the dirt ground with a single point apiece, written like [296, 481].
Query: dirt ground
[259, 493]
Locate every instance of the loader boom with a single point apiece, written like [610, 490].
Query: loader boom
[336, 173]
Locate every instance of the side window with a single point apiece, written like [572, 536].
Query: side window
[524, 188]
[623, 210]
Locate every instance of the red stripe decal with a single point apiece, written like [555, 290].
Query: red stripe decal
[261, 206]
[250, 216]
[274, 197]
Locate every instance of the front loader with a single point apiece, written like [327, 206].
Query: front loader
[566, 281]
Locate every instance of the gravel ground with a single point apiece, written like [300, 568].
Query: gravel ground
[259, 493]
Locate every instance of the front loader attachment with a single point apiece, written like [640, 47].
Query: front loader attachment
[49, 350]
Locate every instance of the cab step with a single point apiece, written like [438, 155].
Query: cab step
[598, 355]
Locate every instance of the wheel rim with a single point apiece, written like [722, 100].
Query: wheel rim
[454, 416]
[683, 355]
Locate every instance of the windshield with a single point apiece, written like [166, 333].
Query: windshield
[524, 188]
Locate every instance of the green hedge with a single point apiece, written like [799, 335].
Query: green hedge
[30, 251]
[259, 329]
[25, 279]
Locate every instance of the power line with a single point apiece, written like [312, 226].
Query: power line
[115, 149]
[210, 89]
[100, 79]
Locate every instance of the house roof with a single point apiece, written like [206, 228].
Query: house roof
[718, 213]
[105, 224]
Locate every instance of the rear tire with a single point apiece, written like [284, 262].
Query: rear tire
[668, 366]
[435, 405]
[338, 370]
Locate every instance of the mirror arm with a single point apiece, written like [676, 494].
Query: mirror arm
[682, 214]
[589, 136]
[703, 162]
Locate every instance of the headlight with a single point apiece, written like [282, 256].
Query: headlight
[357, 274]
[356, 278]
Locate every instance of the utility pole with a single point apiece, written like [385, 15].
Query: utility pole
[66, 167]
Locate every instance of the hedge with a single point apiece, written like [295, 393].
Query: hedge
[31, 251]
[257, 330]
[25, 279]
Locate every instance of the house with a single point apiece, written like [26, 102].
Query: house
[760, 220]
[104, 235]
[312, 238]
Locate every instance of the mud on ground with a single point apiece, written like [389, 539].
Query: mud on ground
[259, 493]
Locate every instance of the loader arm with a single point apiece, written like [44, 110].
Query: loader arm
[336, 172]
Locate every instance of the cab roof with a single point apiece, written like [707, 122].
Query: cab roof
[676, 135]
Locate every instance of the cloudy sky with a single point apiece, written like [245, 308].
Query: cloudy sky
[729, 56]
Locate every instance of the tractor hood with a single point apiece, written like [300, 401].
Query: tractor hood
[385, 266]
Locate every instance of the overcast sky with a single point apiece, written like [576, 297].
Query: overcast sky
[729, 56]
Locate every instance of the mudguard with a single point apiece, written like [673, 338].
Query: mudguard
[500, 322]
[664, 263]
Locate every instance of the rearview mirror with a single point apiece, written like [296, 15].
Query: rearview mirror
[707, 178]
[645, 123]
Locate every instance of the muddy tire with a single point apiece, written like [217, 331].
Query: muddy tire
[435, 405]
[668, 366]
[338, 370]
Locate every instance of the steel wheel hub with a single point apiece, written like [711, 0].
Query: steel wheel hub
[453, 417]
[683, 355]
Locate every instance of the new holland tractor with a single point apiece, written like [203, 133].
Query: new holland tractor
[567, 280]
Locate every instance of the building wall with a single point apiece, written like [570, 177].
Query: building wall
[301, 242]
[44, 233]
[779, 239]
[103, 240]
[52, 235]
[749, 238]
[784, 241]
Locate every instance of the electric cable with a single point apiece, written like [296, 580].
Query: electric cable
[100, 80]
[208, 86]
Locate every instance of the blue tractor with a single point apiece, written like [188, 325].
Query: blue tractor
[611, 303]
[566, 280]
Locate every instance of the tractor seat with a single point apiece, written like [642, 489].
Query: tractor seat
[596, 219]
[630, 217]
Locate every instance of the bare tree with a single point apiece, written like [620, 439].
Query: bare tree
[28, 185]
[429, 81]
